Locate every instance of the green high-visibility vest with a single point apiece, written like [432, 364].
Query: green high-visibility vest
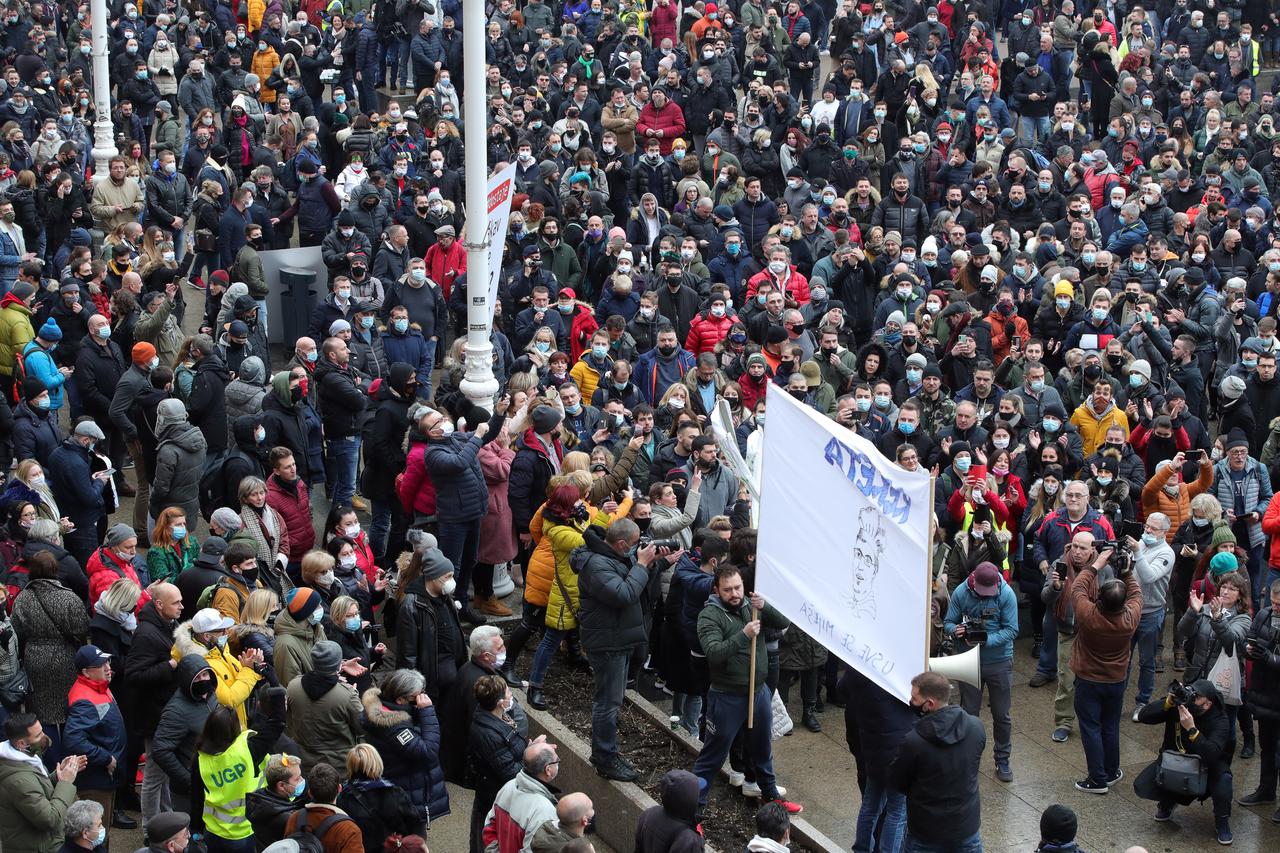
[228, 778]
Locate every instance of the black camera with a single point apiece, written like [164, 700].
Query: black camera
[1122, 560]
[669, 544]
[1182, 694]
[975, 631]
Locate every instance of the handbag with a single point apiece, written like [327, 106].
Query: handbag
[1225, 675]
[206, 240]
[16, 690]
[1182, 773]
[782, 722]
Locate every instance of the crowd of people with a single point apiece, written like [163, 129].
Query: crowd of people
[1026, 245]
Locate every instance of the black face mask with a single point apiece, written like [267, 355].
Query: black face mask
[1092, 372]
[202, 690]
[666, 350]
[643, 524]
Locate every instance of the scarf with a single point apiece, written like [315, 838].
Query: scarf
[765, 845]
[264, 526]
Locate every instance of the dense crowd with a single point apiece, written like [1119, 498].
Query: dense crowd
[1026, 245]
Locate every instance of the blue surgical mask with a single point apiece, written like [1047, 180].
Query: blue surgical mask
[906, 428]
[401, 325]
[1199, 522]
[1099, 314]
[1104, 481]
[180, 532]
[366, 322]
[962, 464]
[1037, 385]
[353, 624]
[882, 401]
[101, 836]
[1148, 539]
[299, 788]
[313, 355]
[863, 404]
[599, 351]
[542, 346]
[574, 409]
[42, 403]
[1052, 425]
[1063, 302]
[914, 375]
[1135, 380]
[1088, 258]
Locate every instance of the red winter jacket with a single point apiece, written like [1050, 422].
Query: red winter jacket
[705, 331]
[417, 492]
[295, 509]
[105, 568]
[670, 120]
[584, 326]
[445, 265]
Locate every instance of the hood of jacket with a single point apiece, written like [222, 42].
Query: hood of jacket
[280, 389]
[679, 793]
[253, 371]
[186, 436]
[241, 393]
[243, 429]
[946, 726]
[188, 668]
[185, 643]
[213, 363]
[170, 413]
[379, 714]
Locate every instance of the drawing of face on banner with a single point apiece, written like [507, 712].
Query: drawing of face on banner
[867, 548]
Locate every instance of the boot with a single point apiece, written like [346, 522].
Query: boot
[1248, 750]
[358, 504]
[491, 606]
[509, 674]
[810, 719]
[120, 820]
[1037, 640]
[536, 698]
[1179, 659]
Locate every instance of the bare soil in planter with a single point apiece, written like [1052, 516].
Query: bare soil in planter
[729, 820]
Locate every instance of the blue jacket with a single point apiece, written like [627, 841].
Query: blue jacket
[756, 218]
[95, 729]
[1123, 240]
[696, 586]
[454, 465]
[647, 378]
[231, 234]
[40, 364]
[1055, 533]
[999, 613]
[408, 739]
[79, 496]
[731, 271]
[410, 348]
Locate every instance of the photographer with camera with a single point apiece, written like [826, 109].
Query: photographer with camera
[984, 612]
[1262, 646]
[1195, 759]
[1107, 616]
[612, 579]
[1215, 629]
[1057, 600]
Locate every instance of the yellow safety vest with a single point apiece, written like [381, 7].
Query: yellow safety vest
[996, 527]
[228, 778]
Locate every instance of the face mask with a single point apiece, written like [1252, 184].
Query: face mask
[962, 464]
[933, 307]
[882, 401]
[1198, 257]
[366, 322]
[1198, 522]
[348, 562]
[221, 641]
[1136, 380]
[312, 356]
[646, 313]
[863, 404]
[318, 614]
[260, 435]
[733, 248]
[777, 267]
[1099, 314]
[449, 586]
[1051, 425]
[179, 532]
[906, 428]
[914, 376]
[43, 403]
[299, 788]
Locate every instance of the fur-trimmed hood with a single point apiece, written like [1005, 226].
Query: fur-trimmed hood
[185, 643]
[379, 715]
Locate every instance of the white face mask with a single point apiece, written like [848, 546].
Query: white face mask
[325, 578]
[500, 659]
[352, 530]
[449, 586]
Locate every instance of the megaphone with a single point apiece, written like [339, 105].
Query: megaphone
[965, 667]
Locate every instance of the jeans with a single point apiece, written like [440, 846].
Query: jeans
[1145, 639]
[342, 456]
[404, 61]
[262, 318]
[379, 526]
[1048, 663]
[458, 540]
[688, 707]
[726, 716]
[972, 844]
[1034, 129]
[547, 646]
[431, 363]
[609, 684]
[885, 806]
[388, 54]
[1099, 707]
[997, 678]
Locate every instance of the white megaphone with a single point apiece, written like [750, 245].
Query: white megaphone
[965, 667]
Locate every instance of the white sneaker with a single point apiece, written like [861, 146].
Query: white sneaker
[736, 779]
[751, 789]
[1136, 712]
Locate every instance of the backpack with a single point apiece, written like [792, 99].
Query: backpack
[206, 597]
[19, 375]
[213, 491]
[308, 839]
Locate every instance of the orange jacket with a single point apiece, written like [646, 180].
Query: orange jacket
[263, 63]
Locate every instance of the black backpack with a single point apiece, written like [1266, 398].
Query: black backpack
[308, 839]
[213, 491]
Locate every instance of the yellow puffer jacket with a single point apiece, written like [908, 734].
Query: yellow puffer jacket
[15, 333]
[262, 64]
[564, 585]
[539, 574]
[235, 682]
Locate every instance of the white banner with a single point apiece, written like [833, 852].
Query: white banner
[843, 545]
[501, 189]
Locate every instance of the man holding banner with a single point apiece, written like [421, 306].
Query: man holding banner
[728, 628]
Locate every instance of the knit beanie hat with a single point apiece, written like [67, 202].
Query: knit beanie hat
[50, 331]
[326, 657]
[142, 353]
[1057, 825]
[1223, 563]
[302, 601]
[1221, 535]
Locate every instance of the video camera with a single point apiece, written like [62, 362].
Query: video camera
[1122, 560]
[975, 631]
[1183, 694]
